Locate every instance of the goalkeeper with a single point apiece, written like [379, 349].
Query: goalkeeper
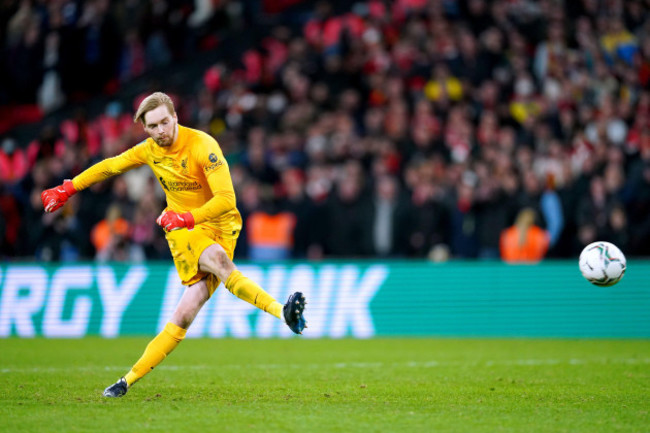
[201, 224]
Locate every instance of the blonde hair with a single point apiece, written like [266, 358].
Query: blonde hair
[151, 102]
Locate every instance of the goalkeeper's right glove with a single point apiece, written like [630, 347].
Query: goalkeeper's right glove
[56, 197]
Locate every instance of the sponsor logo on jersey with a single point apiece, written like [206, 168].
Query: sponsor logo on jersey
[216, 163]
[179, 185]
[166, 162]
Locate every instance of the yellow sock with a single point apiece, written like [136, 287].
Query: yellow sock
[246, 289]
[157, 350]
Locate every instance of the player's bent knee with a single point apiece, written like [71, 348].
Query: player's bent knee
[223, 261]
[216, 261]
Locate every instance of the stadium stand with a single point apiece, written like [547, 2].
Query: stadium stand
[375, 128]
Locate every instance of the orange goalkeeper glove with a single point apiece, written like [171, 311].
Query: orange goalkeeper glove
[56, 197]
[171, 220]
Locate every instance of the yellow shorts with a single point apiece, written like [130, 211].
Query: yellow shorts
[186, 247]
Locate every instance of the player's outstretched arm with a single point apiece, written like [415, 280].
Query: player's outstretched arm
[56, 197]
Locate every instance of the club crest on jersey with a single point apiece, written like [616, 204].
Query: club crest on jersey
[213, 158]
[184, 165]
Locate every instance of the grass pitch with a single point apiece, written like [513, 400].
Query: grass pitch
[298, 385]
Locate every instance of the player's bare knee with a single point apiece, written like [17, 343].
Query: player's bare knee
[224, 266]
[216, 261]
[223, 261]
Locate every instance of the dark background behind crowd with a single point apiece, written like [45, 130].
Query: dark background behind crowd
[406, 128]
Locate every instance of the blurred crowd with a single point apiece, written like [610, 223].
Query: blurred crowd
[410, 128]
[58, 51]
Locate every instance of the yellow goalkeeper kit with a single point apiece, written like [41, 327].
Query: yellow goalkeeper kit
[195, 178]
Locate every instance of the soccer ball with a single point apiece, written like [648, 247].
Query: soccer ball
[602, 263]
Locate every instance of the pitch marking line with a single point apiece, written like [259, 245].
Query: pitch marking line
[409, 364]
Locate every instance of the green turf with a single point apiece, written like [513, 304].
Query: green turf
[298, 385]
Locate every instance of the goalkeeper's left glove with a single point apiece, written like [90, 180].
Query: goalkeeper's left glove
[170, 220]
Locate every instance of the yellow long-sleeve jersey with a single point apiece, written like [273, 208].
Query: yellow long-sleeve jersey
[192, 172]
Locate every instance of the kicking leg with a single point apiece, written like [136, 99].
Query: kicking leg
[215, 260]
[164, 343]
